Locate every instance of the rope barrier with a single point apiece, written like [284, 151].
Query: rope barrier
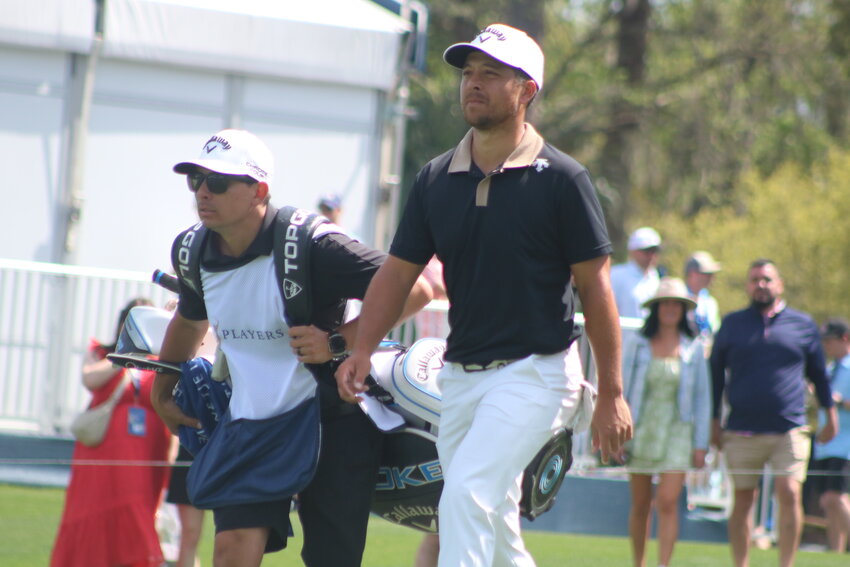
[576, 471]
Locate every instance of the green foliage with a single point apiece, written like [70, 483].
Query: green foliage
[797, 217]
[729, 87]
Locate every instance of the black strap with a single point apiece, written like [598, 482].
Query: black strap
[293, 239]
[186, 257]
[293, 235]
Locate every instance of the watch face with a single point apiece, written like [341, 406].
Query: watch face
[336, 344]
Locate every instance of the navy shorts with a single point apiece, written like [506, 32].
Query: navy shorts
[830, 474]
[334, 509]
[177, 483]
[272, 515]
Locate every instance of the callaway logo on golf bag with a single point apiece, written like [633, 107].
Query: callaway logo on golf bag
[294, 230]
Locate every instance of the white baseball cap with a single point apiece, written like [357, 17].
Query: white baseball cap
[509, 45]
[233, 152]
[643, 238]
[702, 262]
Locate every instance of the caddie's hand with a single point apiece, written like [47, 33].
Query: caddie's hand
[611, 427]
[351, 376]
[173, 417]
[310, 344]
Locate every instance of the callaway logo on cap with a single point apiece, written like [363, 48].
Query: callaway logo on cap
[233, 152]
[506, 44]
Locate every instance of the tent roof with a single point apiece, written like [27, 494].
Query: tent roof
[353, 42]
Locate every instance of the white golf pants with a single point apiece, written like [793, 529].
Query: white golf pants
[492, 424]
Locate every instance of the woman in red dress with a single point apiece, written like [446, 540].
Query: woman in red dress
[112, 498]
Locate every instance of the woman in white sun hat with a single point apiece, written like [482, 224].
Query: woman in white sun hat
[667, 386]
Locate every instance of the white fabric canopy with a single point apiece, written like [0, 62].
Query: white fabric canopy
[353, 42]
[55, 24]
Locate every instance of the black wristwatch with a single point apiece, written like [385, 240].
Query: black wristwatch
[337, 346]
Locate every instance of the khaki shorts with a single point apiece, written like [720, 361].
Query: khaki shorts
[748, 453]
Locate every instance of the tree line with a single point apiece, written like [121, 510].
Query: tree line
[722, 124]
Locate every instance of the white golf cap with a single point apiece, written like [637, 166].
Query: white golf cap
[509, 45]
[702, 262]
[643, 238]
[233, 152]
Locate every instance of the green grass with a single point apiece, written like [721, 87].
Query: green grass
[29, 516]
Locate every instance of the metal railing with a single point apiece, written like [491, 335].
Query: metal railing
[48, 314]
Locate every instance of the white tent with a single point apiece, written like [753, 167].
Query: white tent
[99, 99]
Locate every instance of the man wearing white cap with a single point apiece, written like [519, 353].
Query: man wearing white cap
[699, 273]
[512, 219]
[636, 281]
[281, 375]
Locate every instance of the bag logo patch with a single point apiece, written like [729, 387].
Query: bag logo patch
[290, 288]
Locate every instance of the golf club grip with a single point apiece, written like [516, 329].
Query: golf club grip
[167, 281]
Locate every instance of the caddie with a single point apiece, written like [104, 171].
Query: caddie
[282, 376]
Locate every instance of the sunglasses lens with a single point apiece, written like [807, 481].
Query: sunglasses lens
[194, 180]
[217, 183]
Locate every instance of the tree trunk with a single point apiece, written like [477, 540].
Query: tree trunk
[615, 161]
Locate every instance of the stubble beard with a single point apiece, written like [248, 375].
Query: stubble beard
[489, 120]
[762, 303]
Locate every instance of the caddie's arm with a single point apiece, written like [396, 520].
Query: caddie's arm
[390, 297]
[182, 339]
[612, 422]
[310, 343]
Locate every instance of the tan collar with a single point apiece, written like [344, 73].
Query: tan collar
[523, 155]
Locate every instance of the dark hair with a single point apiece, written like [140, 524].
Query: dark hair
[650, 326]
[761, 263]
[835, 327]
[525, 77]
[123, 316]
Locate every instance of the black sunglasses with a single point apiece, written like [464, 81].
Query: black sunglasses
[217, 183]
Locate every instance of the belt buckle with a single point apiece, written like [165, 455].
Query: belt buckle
[493, 364]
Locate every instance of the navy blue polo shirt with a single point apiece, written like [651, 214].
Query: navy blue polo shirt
[506, 241]
[761, 365]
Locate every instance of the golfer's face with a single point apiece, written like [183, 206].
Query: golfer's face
[490, 91]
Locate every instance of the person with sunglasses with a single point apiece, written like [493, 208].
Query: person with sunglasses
[275, 369]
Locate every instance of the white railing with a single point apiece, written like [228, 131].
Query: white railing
[48, 313]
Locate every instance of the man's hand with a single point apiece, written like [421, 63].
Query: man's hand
[716, 434]
[351, 376]
[611, 427]
[698, 458]
[830, 428]
[171, 414]
[310, 344]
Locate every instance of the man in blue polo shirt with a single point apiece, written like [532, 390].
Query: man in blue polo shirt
[512, 219]
[832, 460]
[760, 360]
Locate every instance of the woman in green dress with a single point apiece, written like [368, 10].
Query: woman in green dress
[667, 385]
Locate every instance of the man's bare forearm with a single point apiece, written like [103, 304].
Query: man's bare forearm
[602, 325]
[396, 292]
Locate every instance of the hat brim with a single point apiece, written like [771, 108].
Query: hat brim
[455, 55]
[689, 303]
[191, 166]
[710, 270]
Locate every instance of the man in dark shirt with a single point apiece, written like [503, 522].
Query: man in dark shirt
[760, 359]
[512, 219]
